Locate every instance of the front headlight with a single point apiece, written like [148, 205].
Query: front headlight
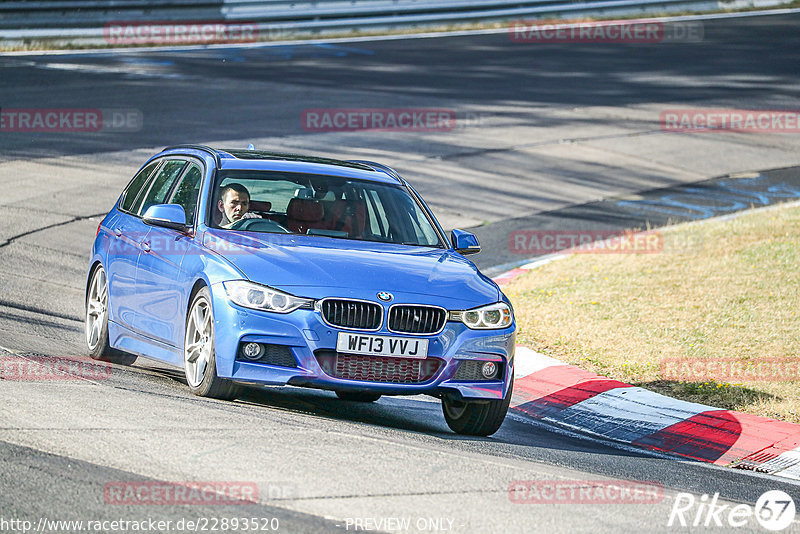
[491, 317]
[258, 297]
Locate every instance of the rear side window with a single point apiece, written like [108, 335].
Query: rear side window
[136, 186]
[188, 191]
[161, 185]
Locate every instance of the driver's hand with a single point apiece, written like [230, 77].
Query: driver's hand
[250, 215]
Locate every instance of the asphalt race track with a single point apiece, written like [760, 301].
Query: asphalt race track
[544, 132]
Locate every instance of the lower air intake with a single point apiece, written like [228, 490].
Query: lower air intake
[378, 368]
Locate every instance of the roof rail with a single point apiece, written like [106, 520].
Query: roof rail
[379, 167]
[204, 148]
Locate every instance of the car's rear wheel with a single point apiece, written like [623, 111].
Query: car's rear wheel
[476, 418]
[358, 396]
[199, 358]
[97, 322]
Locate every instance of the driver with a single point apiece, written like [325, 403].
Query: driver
[234, 203]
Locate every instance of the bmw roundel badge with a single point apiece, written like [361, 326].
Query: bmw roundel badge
[385, 296]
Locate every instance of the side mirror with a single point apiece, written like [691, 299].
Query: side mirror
[464, 242]
[167, 215]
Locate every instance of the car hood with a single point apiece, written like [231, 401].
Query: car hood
[319, 267]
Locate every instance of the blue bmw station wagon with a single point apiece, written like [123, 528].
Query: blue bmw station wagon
[252, 267]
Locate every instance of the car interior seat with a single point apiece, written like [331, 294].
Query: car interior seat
[304, 213]
[348, 216]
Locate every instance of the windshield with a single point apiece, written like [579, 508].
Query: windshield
[314, 204]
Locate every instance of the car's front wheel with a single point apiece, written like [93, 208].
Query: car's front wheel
[199, 359]
[97, 322]
[358, 396]
[476, 418]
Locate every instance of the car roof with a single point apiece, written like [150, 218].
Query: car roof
[242, 159]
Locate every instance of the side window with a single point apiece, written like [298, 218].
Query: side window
[160, 186]
[377, 216]
[424, 232]
[188, 191]
[136, 186]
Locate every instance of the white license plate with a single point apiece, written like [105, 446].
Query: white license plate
[382, 345]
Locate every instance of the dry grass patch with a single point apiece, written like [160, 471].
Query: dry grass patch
[721, 291]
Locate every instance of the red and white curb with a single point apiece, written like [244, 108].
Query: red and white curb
[572, 398]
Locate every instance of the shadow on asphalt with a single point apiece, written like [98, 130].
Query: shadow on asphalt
[419, 414]
[187, 96]
[516, 241]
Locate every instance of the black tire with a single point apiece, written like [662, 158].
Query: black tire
[358, 396]
[201, 375]
[476, 418]
[96, 322]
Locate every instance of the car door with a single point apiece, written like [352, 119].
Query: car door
[160, 281]
[125, 231]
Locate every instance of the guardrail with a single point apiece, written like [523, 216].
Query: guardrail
[83, 21]
[94, 13]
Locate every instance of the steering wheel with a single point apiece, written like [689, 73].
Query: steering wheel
[238, 224]
[252, 224]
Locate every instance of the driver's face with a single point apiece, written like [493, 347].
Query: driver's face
[234, 205]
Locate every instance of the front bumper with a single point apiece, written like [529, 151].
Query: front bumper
[305, 333]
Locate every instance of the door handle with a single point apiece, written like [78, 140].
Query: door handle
[145, 246]
[117, 232]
